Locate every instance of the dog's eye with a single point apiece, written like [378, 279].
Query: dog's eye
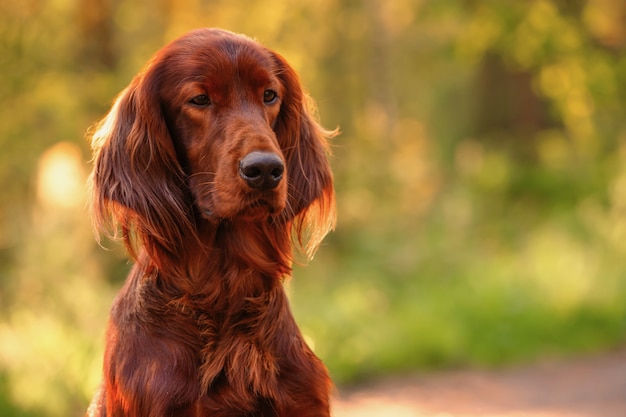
[270, 96]
[201, 100]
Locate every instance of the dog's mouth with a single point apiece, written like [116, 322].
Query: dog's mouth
[260, 208]
[253, 209]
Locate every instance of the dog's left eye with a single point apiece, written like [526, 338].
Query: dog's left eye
[201, 100]
[270, 96]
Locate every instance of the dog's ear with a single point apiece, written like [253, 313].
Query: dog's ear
[311, 197]
[137, 182]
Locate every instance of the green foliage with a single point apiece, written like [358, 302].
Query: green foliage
[464, 294]
[480, 180]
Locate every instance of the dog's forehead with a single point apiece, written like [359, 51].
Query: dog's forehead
[221, 48]
[219, 62]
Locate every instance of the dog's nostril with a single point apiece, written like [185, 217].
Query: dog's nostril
[277, 172]
[251, 172]
[262, 170]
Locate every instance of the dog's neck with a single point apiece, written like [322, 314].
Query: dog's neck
[259, 250]
[232, 290]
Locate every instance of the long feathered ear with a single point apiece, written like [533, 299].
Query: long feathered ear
[137, 183]
[311, 196]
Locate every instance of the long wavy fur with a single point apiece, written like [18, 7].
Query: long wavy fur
[202, 325]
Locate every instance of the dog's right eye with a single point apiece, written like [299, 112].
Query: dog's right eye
[201, 100]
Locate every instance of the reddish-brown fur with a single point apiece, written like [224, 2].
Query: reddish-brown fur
[202, 326]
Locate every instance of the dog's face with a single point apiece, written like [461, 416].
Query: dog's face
[221, 100]
[216, 127]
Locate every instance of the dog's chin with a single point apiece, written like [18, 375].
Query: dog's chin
[258, 210]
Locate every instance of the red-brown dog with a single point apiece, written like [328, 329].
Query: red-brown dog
[210, 166]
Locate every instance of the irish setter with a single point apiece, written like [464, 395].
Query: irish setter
[210, 167]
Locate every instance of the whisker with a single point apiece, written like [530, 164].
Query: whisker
[202, 173]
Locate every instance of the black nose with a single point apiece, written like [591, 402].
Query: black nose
[261, 170]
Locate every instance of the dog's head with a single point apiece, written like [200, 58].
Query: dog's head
[216, 128]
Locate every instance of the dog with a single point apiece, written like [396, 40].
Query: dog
[212, 169]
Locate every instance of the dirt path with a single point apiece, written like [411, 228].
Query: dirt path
[587, 387]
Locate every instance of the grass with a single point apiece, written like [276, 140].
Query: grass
[484, 290]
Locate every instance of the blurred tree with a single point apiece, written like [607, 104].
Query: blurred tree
[96, 28]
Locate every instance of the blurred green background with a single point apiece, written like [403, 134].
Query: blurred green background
[481, 180]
